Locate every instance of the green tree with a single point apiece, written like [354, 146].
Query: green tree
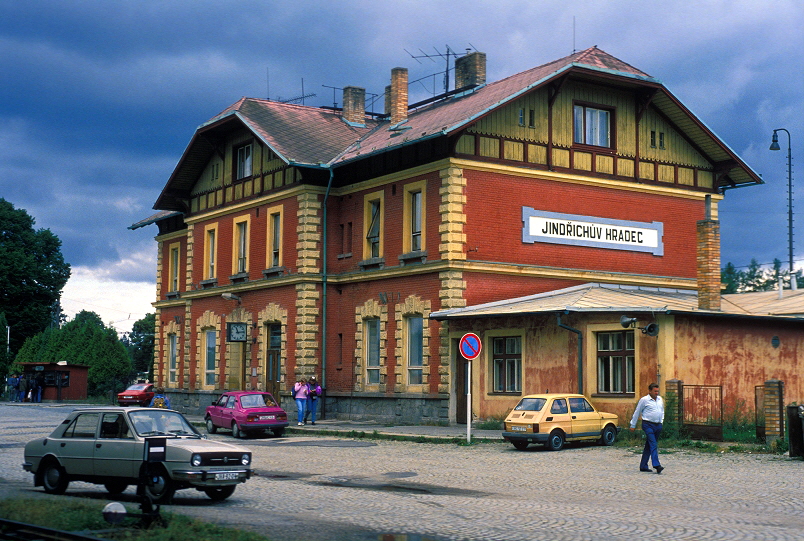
[84, 340]
[140, 344]
[731, 277]
[32, 273]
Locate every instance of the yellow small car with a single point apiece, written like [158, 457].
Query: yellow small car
[554, 419]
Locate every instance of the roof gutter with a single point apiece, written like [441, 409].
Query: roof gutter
[580, 351]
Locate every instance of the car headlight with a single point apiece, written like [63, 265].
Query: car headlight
[196, 460]
[245, 459]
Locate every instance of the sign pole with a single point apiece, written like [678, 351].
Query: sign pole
[469, 402]
[470, 346]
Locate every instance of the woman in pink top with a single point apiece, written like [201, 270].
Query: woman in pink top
[300, 394]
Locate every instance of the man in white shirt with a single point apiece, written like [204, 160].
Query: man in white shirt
[651, 408]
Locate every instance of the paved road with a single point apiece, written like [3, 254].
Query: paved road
[328, 489]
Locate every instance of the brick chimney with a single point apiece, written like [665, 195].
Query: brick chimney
[470, 70]
[354, 105]
[708, 260]
[399, 95]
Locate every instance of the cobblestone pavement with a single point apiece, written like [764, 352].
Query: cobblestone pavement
[320, 488]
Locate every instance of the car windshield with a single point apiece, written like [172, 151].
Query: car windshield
[157, 421]
[257, 401]
[531, 404]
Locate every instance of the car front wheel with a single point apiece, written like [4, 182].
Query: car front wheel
[556, 441]
[54, 478]
[608, 436]
[211, 428]
[220, 493]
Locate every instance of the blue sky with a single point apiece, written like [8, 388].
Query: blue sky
[98, 100]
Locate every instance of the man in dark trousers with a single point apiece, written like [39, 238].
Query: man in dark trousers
[651, 408]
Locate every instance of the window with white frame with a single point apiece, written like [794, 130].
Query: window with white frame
[371, 337]
[415, 221]
[374, 228]
[275, 233]
[210, 246]
[592, 126]
[415, 349]
[173, 350]
[507, 364]
[615, 362]
[243, 161]
[210, 347]
[241, 242]
[174, 268]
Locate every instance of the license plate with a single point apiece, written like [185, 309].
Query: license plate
[519, 429]
[128, 397]
[267, 417]
[225, 476]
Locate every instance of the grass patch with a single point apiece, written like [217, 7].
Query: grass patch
[494, 422]
[76, 515]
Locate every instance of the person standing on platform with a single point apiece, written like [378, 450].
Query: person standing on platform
[651, 408]
[313, 392]
[300, 394]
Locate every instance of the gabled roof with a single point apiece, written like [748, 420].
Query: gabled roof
[597, 297]
[311, 136]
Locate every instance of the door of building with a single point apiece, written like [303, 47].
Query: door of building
[273, 359]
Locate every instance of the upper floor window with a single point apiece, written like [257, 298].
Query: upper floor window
[413, 211]
[592, 126]
[507, 361]
[415, 349]
[615, 362]
[371, 332]
[243, 162]
[241, 244]
[173, 350]
[274, 258]
[373, 225]
[210, 252]
[174, 267]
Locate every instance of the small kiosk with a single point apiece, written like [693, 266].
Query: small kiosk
[59, 381]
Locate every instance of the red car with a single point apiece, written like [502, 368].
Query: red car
[139, 394]
[246, 412]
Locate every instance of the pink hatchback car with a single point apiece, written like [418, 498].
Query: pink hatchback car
[246, 412]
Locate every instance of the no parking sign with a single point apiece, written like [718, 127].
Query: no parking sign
[470, 346]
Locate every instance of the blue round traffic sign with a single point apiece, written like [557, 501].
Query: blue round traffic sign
[470, 346]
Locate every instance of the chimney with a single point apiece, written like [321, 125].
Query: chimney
[708, 260]
[399, 95]
[470, 70]
[354, 105]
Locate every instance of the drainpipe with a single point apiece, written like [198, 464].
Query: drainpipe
[580, 352]
[324, 289]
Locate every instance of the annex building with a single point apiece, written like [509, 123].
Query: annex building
[535, 211]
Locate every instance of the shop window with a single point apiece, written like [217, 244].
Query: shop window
[243, 162]
[507, 364]
[415, 348]
[592, 126]
[615, 362]
[372, 350]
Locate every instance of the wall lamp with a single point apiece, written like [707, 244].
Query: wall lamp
[651, 329]
[231, 297]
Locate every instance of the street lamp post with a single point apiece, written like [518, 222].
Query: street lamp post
[775, 146]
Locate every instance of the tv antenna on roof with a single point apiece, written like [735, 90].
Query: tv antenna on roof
[299, 98]
[438, 54]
